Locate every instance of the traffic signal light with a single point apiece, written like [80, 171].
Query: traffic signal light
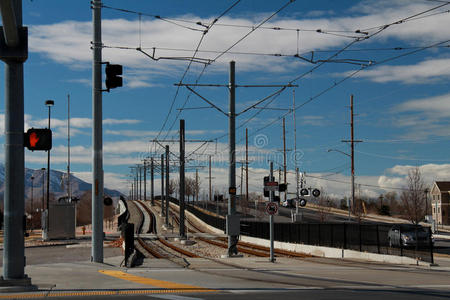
[282, 187]
[107, 201]
[38, 139]
[113, 78]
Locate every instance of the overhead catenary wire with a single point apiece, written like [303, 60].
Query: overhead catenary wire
[189, 65]
[229, 48]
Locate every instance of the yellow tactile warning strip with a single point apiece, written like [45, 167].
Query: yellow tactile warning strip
[161, 287]
[98, 293]
[154, 282]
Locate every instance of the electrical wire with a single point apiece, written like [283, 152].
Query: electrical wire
[361, 184]
[188, 67]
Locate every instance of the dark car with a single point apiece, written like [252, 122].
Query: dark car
[408, 235]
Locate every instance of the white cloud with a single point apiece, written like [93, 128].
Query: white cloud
[424, 72]
[73, 39]
[424, 117]
[436, 107]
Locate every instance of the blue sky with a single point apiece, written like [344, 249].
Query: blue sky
[401, 98]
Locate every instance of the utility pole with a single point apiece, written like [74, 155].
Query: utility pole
[352, 156]
[272, 258]
[246, 165]
[140, 181]
[231, 217]
[69, 187]
[162, 185]
[242, 180]
[97, 138]
[284, 155]
[196, 185]
[152, 186]
[210, 178]
[233, 222]
[145, 180]
[182, 139]
[167, 186]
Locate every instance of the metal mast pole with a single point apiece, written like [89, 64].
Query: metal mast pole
[246, 165]
[182, 227]
[14, 196]
[297, 179]
[232, 238]
[210, 186]
[47, 219]
[196, 186]
[272, 258]
[162, 185]
[152, 186]
[97, 139]
[145, 180]
[140, 182]
[353, 153]
[69, 191]
[167, 186]
[284, 155]
[295, 152]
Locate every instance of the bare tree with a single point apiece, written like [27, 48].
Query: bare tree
[189, 189]
[324, 205]
[414, 198]
[173, 186]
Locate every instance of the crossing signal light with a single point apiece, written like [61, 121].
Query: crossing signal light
[316, 193]
[113, 78]
[38, 139]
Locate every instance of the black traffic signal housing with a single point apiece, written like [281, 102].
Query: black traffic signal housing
[282, 187]
[267, 179]
[113, 78]
[107, 201]
[38, 139]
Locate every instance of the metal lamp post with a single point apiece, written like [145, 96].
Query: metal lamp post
[49, 104]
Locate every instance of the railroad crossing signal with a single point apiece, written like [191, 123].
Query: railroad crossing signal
[302, 202]
[38, 139]
[308, 192]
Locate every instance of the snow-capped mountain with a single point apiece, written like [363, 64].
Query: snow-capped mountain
[58, 184]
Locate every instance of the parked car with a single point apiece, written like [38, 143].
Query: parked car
[288, 203]
[408, 235]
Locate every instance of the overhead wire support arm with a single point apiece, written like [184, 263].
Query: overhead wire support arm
[207, 101]
[192, 59]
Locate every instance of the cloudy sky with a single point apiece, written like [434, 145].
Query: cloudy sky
[393, 56]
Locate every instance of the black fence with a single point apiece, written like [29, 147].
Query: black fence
[360, 237]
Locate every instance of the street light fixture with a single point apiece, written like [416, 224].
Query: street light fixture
[49, 104]
[353, 182]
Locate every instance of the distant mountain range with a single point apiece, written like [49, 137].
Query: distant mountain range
[58, 185]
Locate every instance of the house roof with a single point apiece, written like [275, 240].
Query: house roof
[444, 186]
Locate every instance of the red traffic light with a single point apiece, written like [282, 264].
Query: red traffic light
[39, 139]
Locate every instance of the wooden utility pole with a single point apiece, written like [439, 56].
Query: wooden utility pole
[352, 155]
[210, 178]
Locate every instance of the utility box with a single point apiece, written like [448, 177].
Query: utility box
[61, 221]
